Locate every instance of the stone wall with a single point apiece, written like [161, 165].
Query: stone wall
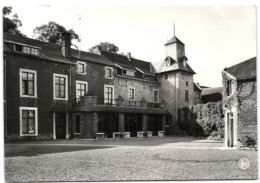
[143, 89]
[247, 110]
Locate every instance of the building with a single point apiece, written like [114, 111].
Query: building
[213, 94]
[176, 78]
[240, 102]
[56, 92]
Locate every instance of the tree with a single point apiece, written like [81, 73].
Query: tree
[11, 25]
[105, 46]
[51, 33]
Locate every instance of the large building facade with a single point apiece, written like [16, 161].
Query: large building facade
[56, 92]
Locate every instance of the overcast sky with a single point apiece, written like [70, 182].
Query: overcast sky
[215, 37]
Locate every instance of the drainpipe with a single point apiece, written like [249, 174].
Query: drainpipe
[70, 113]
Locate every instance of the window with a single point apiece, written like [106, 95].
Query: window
[131, 93]
[129, 73]
[81, 67]
[81, 88]
[26, 49]
[109, 94]
[187, 83]
[108, 72]
[28, 121]
[28, 83]
[168, 62]
[186, 95]
[155, 96]
[60, 87]
[166, 76]
[146, 76]
[229, 88]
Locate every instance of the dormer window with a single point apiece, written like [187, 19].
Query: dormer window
[26, 49]
[168, 62]
[129, 73]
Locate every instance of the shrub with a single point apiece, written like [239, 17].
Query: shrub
[248, 141]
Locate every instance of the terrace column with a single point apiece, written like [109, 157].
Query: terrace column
[145, 122]
[121, 122]
[163, 122]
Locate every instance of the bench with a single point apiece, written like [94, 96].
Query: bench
[100, 136]
[161, 133]
[117, 135]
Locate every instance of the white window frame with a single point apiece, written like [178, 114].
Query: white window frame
[21, 83]
[85, 67]
[157, 95]
[66, 86]
[113, 95]
[112, 70]
[129, 93]
[35, 109]
[81, 82]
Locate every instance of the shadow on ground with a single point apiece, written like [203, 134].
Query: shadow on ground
[35, 150]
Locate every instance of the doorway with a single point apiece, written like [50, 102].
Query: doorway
[60, 120]
[155, 124]
[133, 124]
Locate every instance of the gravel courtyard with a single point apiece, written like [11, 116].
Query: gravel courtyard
[169, 158]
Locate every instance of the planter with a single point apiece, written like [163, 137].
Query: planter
[117, 135]
[161, 133]
[140, 134]
[100, 136]
[126, 135]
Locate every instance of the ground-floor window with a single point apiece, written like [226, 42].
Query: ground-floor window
[28, 121]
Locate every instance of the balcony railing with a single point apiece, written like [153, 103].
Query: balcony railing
[93, 100]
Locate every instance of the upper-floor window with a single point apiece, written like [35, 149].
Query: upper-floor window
[186, 96]
[230, 88]
[187, 83]
[129, 73]
[131, 93]
[81, 67]
[147, 76]
[81, 88]
[60, 86]
[109, 94]
[108, 72]
[155, 96]
[166, 76]
[28, 121]
[26, 49]
[28, 83]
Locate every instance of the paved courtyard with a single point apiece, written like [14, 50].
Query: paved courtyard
[168, 158]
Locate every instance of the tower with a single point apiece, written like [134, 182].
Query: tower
[176, 78]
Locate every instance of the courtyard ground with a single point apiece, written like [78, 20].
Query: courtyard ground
[168, 158]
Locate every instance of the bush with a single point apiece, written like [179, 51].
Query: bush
[248, 141]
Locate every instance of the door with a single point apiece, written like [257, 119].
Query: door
[60, 119]
[230, 125]
[133, 124]
[155, 124]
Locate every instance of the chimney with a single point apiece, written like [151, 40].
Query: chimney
[65, 44]
[129, 56]
[97, 50]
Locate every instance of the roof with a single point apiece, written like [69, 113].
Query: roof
[208, 91]
[52, 51]
[134, 64]
[176, 66]
[211, 94]
[243, 70]
[174, 39]
[197, 87]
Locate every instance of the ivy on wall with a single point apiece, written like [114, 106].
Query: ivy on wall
[202, 120]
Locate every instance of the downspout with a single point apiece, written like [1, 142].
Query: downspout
[70, 113]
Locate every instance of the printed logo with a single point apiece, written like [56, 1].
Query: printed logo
[243, 163]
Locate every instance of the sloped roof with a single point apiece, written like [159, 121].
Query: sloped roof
[176, 66]
[197, 87]
[174, 39]
[52, 51]
[122, 61]
[243, 70]
[211, 94]
[208, 91]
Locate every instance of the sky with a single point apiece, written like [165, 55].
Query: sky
[215, 37]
